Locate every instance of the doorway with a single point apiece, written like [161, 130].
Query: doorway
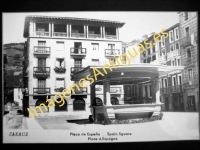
[191, 103]
[166, 103]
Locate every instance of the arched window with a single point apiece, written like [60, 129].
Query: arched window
[98, 101]
[114, 101]
[61, 108]
[79, 104]
[39, 102]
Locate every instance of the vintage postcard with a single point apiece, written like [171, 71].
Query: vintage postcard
[100, 77]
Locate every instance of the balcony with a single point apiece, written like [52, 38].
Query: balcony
[171, 89]
[42, 50]
[173, 54]
[76, 69]
[41, 33]
[78, 52]
[41, 72]
[83, 91]
[60, 89]
[78, 35]
[110, 36]
[60, 69]
[94, 35]
[186, 41]
[60, 34]
[112, 52]
[41, 90]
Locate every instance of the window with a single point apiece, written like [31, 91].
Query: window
[60, 28]
[187, 30]
[148, 52]
[133, 91]
[153, 57]
[41, 63]
[186, 16]
[179, 79]
[95, 62]
[77, 29]
[176, 32]
[171, 36]
[188, 53]
[60, 45]
[110, 31]
[154, 48]
[163, 51]
[41, 86]
[149, 60]
[42, 27]
[94, 30]
[173, 80]
[95, 46]
[111, 46]
[177, 46]
[77, 63]
[165, 82]
[60, 62]
[190, 74]
[178, 62]
[162, 41]
[174, 61]
[144, 61]
[60, 82]
[172, 47]
[147, 88]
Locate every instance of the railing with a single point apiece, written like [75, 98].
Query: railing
[60, 89]
[115, 90]
[112, 52]
[78, 51]
[171, 89]
[82, 91]
[186, 41]
[76, 69]
[60, 70]
[173, 53]
[41, 71]
[61, 34]
[110, 36]
[77, 35]
[143, 101]
[41, 90]
[94, 35]
[42, 49]
[40, 33]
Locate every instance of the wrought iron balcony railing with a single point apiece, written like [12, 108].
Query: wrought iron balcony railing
[42, 50]
[41, 71]
[76, 69]
[41, 90]
[60, 34]
[41, 33]
[78, 35]
[94, 35]
[171, 89]
[60, 69]
[112, 52]
[115, 90]
[77, 51]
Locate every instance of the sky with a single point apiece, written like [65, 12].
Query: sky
[137, 23]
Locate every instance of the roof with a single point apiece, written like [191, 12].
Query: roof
[69, 20]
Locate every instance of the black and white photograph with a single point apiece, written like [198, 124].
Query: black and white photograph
[100, 76]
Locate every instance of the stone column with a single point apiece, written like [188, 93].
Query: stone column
[106, 92]
[87, 31]
[157, 90]
[153, 90]
[101, 32]
[34, 29]
[70, 29]
[52, 29]
[67, 30]
[92, 93]
[117, 33]
[30, 29]
[50, 32]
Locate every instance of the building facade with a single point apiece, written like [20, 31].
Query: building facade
[57, 47]
[189, 46]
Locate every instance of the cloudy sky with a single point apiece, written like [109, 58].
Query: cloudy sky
[137, 23]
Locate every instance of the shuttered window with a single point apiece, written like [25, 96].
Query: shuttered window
[41, 86]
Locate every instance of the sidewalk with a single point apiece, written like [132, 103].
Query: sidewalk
[32, 123]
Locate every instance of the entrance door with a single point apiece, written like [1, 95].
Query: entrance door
[166, 104]
[191, 103]
[181, 104]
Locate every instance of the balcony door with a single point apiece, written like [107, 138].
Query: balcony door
[77, 65]
[41, 64]
[41, 86]
[41, 46]
[77, 47]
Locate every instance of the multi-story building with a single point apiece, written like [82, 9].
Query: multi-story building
[189, 47]
[171, 88]
[57, 47]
